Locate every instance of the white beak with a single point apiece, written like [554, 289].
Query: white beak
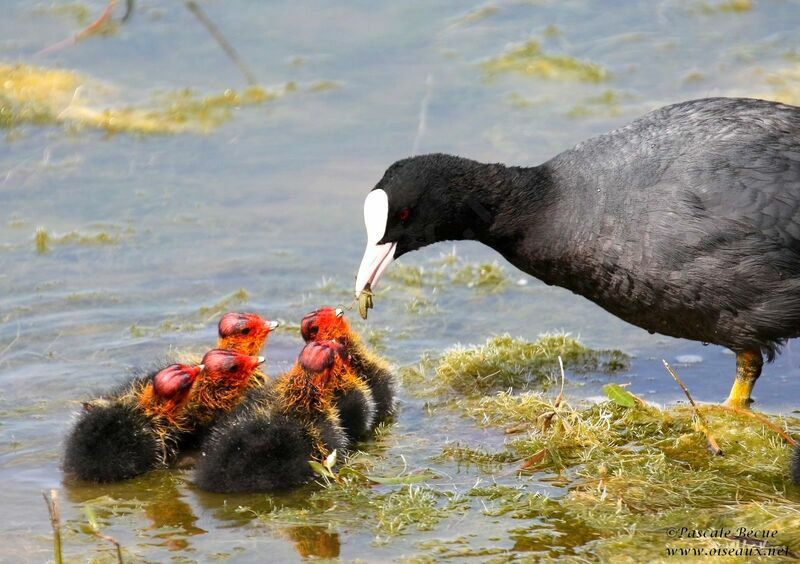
[272, 325]
[376, 257]
[261, 359]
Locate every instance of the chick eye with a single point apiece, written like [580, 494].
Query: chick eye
[246, 331]
[233, 368]
[313, 331]
[403, 215]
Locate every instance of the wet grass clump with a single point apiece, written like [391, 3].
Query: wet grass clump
[529, 59]
[505, 362]
[632, 475]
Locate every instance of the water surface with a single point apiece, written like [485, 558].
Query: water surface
[271, 202]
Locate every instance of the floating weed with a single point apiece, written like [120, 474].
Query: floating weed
[43, 240]
[324, 86]
[407, 274]
[476, 15]
[606, 104]
[76, 11]
[198, 320]
[488, 277]
[39, 96]
[786, 85]
[505, 362]
[224, 305]
[725, 6]
[530, 60]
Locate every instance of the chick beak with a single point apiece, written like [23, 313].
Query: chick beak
[272, 325]
[261, 360]
[339, 312]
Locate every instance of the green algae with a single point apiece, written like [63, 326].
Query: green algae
[529, 59]
[504, 362]
[487, 277]
[606, 104]
[77, 12]
[725, 7]
[39, 96]
[324, 86]
[194, 321]
[476, 15]
[44, 240]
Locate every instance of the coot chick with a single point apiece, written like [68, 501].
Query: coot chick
[132, 430]
[266, 443]
[328, 323]
[685, 222]
[244, 332]
[227, 378]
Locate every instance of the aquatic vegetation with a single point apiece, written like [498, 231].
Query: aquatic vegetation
[476, 15]
[488, 277]
[646, 470]
[505, 362]
[529, 59]
[44, 240]
[786, 85]
[606, 104]
[324, 86]
[40, 96]
[78, 12]
[725, 6]
[197, 320]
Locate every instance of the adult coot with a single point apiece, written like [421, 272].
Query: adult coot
[685, 222]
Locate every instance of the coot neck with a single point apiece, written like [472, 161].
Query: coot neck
[503, 206]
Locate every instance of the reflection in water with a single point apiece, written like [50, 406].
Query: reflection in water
[157, 495]
[314, 541]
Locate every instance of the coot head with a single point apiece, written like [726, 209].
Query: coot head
[244, 332]
[321, 361]
[324, 324]
[229, 365]
[175, 381]
[419, 201]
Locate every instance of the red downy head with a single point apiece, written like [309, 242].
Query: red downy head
[175, 381]
[324, 324]
[321, 360]
[229, 365]
[244, 332]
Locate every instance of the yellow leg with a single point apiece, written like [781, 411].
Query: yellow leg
[748, 369]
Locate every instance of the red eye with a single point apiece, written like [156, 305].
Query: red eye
[403, 215]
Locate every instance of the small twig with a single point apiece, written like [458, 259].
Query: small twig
[91, 29]
[128, 11]
[198, 12]
[55, 522]
[712, 442]
[113, 541]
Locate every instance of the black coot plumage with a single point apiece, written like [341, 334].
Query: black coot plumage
[132, 429]
[685, 222]
[266, 443]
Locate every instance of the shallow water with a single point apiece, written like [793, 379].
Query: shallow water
[271, 202]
